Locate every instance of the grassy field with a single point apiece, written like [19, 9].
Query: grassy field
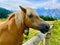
[55, 36]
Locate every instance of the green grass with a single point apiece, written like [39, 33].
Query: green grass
[55, 37]
[2, 19]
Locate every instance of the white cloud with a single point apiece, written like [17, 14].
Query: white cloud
[13, 4]
[50, 4]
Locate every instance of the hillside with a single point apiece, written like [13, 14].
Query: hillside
[4, 12]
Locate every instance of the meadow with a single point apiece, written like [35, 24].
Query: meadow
[55, 36]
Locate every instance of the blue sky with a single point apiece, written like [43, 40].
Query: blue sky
[14, 4]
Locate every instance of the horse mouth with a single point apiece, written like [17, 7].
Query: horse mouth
[43, 30]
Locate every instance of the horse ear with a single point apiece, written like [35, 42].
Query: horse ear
[23, 9]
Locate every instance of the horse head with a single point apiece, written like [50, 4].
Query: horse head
[32, 20]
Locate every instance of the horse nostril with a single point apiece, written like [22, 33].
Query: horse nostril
[44, 26]
[47, 27]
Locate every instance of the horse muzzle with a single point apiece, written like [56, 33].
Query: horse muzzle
[44, 28]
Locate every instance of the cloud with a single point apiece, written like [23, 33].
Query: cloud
[36, 1]
[48, 4]
[13, 4]
[52, 4]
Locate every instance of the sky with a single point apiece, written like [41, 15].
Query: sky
[36, 4]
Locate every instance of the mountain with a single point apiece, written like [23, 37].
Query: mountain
[4, 12]
[55, 13]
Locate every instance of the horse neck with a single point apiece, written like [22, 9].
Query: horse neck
[18, 29]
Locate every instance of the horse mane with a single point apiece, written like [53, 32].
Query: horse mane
[18, 17]
[11, 16]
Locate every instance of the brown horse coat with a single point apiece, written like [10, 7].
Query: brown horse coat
[10, 34]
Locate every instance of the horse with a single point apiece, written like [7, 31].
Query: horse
[12, 29]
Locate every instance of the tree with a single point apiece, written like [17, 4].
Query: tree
[48, 18]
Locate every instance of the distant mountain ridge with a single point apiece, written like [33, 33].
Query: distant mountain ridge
[4, 12]
[55, 13]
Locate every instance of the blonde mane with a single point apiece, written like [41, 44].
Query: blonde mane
[11, 16]
[18, 17]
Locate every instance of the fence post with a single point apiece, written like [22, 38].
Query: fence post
[48, 36]
[43, 41]
[47, 39]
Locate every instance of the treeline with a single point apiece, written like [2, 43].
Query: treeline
[48, 18]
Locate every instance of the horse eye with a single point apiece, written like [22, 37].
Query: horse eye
[30, 16]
